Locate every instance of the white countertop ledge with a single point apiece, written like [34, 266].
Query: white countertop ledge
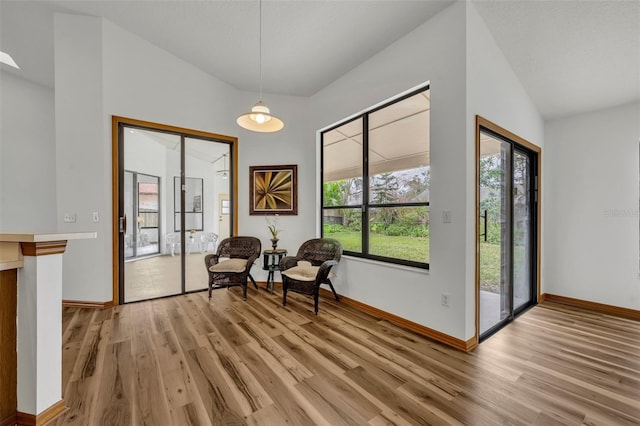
[44, 237]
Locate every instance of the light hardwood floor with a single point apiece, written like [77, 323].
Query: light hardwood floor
[160, 276]
[189, 361]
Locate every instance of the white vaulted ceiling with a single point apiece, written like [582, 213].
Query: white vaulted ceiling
[306, 44]
[571, 56]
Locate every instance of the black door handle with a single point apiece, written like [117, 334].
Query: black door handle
[484, 216]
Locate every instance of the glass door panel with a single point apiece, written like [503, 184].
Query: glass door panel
[206, 179]
[170, 193]
[521, 230]
[495, 238]
[149, 158]
[506, 236]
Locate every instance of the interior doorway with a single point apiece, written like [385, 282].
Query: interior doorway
[507, 237]
[167, 182]
[224, 212]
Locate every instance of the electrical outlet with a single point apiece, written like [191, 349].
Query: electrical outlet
[444, 299]
[95, 217]
[446, 216]
[69, 217]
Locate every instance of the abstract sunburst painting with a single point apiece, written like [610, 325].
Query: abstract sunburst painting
[273, 190]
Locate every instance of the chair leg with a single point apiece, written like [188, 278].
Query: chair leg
[332, 289]
[284, 292]
[315, 302]
[210, 291]
[253, 281]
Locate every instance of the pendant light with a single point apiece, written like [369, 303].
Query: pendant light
[260, 118]
[224, 173]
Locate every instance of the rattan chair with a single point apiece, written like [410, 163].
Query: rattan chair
[231, 265]
[310, 268]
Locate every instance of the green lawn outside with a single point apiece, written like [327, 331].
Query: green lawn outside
[490, 267]
[400, 247]
[417, 249]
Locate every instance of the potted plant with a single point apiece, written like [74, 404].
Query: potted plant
[273, 230]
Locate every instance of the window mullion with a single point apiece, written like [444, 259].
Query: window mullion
[365, 184]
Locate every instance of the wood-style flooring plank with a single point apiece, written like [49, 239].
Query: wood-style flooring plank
[249, 393]
[188, 360]
[115, 402]
[149, 383]
[180, 391]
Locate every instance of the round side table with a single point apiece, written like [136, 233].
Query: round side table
[271, 262]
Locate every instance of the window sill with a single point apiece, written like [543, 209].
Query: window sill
[387, 264]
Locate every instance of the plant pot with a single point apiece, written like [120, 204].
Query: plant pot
[274, 243]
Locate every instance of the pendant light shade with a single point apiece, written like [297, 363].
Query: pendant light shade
[259, 119]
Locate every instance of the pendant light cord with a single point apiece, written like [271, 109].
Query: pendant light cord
[260, 49]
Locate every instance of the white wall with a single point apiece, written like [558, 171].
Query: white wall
[83, 178]
[433, 52]
[295, 144]
[27, 156]
[102, 70]
[591, 207]
[144, 82]
[495, 93]
[468, 75]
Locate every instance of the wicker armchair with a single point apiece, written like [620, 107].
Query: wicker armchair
[231, 264]
[310, 268]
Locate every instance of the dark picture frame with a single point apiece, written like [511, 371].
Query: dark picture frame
[273, 190]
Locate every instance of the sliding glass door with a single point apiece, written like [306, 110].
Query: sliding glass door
[142, 204]
[170, 192]
[204, 182]
[507, 225]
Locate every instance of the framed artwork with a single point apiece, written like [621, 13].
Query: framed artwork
[273, 190]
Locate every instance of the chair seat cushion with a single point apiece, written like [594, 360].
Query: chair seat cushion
[305, 271]
[230, 265]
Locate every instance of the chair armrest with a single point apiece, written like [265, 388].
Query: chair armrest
[325, 268]
[210, 260]
[251, 260]
[288, 262]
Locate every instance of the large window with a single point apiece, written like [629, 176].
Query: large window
[375, 182]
